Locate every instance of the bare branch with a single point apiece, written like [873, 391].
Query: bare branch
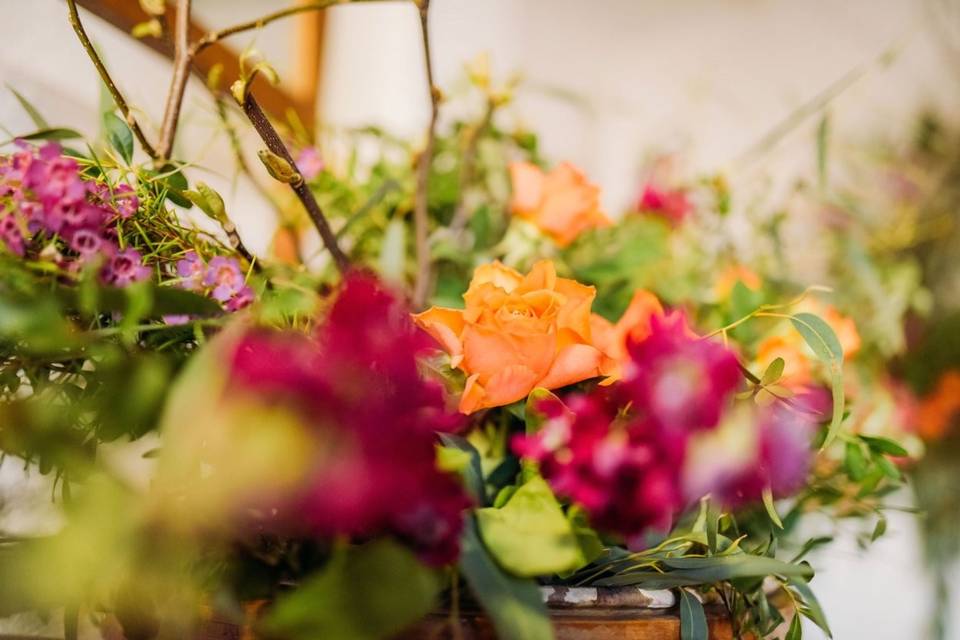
[182, 59]
[420, 213]
[107, 80]
[461, 215]
[272, 139]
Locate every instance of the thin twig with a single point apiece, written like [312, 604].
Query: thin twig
[461, 214]
[424, 162]
[182, 59]
[215, 36]
[107, 80]
[272, 139]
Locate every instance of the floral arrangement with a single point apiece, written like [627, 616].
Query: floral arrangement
[487, 384]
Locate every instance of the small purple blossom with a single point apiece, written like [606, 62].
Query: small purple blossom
[240, 299]
[126, 267]
[126, 201]
[225, 276]
[191, 268]
[87, 242]
[310, 163]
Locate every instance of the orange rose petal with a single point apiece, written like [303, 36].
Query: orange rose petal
[472, 396]
[497, 274]
[445, 326]
[488, 352]
[527, 181]
[543, 275]
[509, 385]
[575, 313]
[573, 364]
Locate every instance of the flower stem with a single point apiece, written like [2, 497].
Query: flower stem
[424, 162]
[182, 59]
[272, 139]
[107, 80]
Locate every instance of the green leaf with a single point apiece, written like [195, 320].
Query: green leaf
[885, 445]
[822, 339]
[532, 416]
[473, 473]
[795, 632]
[810, 545]
[364, 593]
[880, 528]
[530, 536]
[773, 373]
[855, 462]
[693, 620]
[720, 568]
[889, 468]
[209, 201]
[31, 110]
[811, 608]
[771, 507]
[57, 133]
[819, 335]
[118, 135]
[514, 605]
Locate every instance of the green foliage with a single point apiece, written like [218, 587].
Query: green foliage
[364, 593]
[530, 536]
[693, 620]
[118, 135]
[822, 339]
[514, 605]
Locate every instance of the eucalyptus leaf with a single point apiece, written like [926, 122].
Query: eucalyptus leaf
[885, 445]
[811, 608]
[795, 632]
[38, 120]
[824, 343]
[771, 507]
[118, 135]
[693, 620]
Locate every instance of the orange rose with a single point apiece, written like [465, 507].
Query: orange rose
[797, 368]
[729, 278]
[562, 203]
[517, 333]
[634, 324]
[937, 411]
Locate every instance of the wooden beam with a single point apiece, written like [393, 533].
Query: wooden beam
[276, 100]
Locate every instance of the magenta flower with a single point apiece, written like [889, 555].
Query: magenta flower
[125, 200]
[124, 268]
[762, 448]
[240, 300]
[88, 242]
[678, 380]
[674, 205]
[225, 276]
[357, 384]
[11, 234]
[624, 472]
[310, 163]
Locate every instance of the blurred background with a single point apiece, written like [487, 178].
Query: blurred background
[732, 86]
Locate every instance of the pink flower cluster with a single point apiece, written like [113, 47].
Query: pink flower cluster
[44, 196]
[221, 278]
[356, 382]
[620, 451]
[671, 204]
